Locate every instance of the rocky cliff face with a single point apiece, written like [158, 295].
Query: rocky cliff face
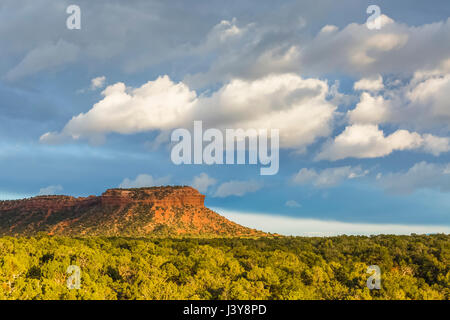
[156, 211]
[157, 196]
[48, 203]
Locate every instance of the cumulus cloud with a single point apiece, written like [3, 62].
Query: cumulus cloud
[46, 56]
[370, 110]
[292, 204]
[234, 48]
[246, 51]
[426, 97]
[369, 84]
[422, 175]
[395, 48]
[50, 190]
[144, 180]
[273, 102]
[328, 29]
[237, 188]
[202, 182]
[296, 106]
[156, 105]
[256, 67]
[250, 51]
[98, 82]
[368, 141]
[418, 102]
[328, 177]
[435, 145]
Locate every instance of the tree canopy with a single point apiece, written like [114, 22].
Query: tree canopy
[412, 267]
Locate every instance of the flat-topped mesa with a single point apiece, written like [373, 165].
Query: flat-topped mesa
[140, 212]
[49, 202]
[155, 196]
[167, 196]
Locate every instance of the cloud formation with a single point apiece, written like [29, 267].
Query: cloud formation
[144, 180]
[395, 48]
[202, 182]
[257, 67]
[98, 82]
[237, 188]
[370, 110]
[273, 102]
[426, 98]
[368, 141]
[422, 175]
[369, 84]
[50, 190]
[46, 56]
[329, 177]
[156, 105]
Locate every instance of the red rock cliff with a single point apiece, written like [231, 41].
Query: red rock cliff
[176, 210]
[157, 196]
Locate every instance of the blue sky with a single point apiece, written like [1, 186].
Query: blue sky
[363, 113]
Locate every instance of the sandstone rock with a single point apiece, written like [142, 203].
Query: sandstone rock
[155, 211]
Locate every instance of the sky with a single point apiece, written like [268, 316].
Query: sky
[361, 104]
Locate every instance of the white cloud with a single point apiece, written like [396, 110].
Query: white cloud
[50, 190]
[368, 141]
[273, 102]
[370, 110]
[46, 56]
[427, 99]
[224, 32]
[395, 48]
[328, 177]
[237, 188]
[354, 50]
[202, 182]
[422, 175]
[435, 145]
[257, 66]
[252, 51]
[328, 29]
[418, 102]
[248, 52]
[144, 180]
[318, 228]
[370, 84]
[156, 105]
[383, 20]
[98, 82]
[292, 204]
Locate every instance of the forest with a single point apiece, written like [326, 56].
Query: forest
[412, 267]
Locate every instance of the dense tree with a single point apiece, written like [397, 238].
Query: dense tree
[412, 267]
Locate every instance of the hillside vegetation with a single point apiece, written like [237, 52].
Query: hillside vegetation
[137, 212]
[412, 267]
